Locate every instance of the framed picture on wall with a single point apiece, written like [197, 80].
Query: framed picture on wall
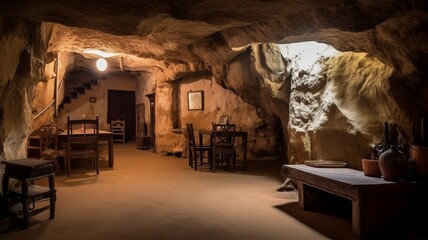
[195, 100]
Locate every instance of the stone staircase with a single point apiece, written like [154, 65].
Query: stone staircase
[76, 90]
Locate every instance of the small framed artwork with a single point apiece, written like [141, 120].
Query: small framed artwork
[224, 119]
[92, 99]
[195, 100]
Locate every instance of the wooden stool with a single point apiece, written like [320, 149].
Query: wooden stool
[26, 171]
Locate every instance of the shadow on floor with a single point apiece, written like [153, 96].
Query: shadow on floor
[336, 225]
[333, 227]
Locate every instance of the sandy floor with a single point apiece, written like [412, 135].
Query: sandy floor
[151, 196]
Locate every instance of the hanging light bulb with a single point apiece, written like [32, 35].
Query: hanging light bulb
[101, 64]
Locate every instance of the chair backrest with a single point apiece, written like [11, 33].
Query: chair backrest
[48, 137]
[83, 131]
[224, 135]
[117, 125]
[191, 137]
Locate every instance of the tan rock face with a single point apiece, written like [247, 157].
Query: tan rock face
[334, 112]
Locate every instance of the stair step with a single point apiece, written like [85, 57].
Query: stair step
[94, 81]
[87, 86]
[33, 152]
[34, 141]
[33, 146]
[67, 99]
[80, 90]
[74, 95]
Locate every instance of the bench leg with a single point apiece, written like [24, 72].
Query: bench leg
[308, 196]
[52, 200]
[4, 204]
[356, 217]
[25, 204]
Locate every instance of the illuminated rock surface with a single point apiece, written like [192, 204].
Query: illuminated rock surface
[331, 108]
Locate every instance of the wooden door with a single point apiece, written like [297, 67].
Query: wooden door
[121, 105]
[151, 98]
[142, 140]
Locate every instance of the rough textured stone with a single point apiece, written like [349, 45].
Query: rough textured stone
[336, 112]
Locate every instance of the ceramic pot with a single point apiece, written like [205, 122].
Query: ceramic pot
[371, 168]
[420, 161]
[393, 164]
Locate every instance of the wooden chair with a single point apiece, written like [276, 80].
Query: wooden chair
[82, 141]
[223, 142]
[196, 150]
[50, 149]
[118, 130]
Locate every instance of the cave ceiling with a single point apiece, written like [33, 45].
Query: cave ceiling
[155, 34]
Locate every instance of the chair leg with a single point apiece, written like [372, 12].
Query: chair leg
[68, 167]
[52, 199]
[201, 156]
[233, 160]
[190, 158]
[210, 160]
[97, 165]
[214, 161]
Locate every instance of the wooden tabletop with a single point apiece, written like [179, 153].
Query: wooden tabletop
[342, 175]
[89, 131]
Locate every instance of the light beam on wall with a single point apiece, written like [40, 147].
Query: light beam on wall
[101, 64]
[100, 53]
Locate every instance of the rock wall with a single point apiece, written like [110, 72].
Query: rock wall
[334, 112]
[332, 105]
[172, 114]
[23, 48]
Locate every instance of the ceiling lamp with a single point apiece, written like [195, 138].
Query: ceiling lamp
[101, 64]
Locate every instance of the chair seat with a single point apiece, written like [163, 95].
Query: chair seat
[29, 168]
[204, 147]
[83, 153]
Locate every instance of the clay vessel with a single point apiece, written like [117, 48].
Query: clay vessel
[393, 164]
[420, 160]
[371, 167]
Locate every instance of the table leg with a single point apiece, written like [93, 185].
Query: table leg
[110, 153]
[244, 142]
[200, 150]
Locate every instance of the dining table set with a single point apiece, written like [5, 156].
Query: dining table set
[204, 133]
[224, 140]
[103, 136]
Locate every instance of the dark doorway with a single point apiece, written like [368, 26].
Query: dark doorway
[121, 105]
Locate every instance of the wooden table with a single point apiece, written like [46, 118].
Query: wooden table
[242, 134]
[103, 136]
[376, 204]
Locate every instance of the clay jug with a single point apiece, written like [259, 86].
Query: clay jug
[420, 160]
[393, 164]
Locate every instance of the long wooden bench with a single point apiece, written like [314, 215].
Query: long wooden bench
[377, 205]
